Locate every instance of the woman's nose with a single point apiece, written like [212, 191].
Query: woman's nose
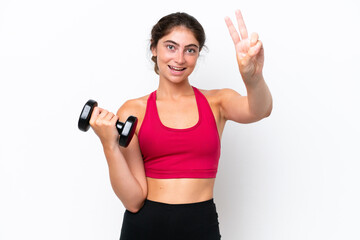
[180, 57]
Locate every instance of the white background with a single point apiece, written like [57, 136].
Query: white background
[292, 176]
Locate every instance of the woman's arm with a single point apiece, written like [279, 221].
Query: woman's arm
[246, 109]
[126, 167]
[127, 176]
[250, 58]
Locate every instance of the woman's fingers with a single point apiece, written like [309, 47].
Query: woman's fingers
[249, 49]
[254, 38]
[254, 50]
[114, 119]
[103, 113]
[241, 25]
[111, 119]
[255, 44]
[94, 115]
[103, 123]
[101, 116]
[109, 116]
[232, 30]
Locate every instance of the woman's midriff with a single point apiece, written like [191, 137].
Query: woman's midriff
[182, 190]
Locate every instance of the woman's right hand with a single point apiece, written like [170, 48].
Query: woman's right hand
[103, 123]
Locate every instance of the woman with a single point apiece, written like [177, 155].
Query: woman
[165, 177]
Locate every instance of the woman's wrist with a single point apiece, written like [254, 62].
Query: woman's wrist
[110, 146]
[253, 81]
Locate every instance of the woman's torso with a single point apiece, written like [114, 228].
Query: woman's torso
[181, 113]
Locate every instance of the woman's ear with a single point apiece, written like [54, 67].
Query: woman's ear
[153, 51]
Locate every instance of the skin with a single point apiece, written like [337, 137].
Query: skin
[177, 109]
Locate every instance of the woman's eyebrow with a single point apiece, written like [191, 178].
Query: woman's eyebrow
[175, 43]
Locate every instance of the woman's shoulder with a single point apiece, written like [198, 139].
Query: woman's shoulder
[135, 107]
[217, 95]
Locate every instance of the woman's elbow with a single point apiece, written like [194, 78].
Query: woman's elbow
[269, 110]
[135, 208]
[261, 115]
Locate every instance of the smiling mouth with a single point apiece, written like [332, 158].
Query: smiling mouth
[176, 68]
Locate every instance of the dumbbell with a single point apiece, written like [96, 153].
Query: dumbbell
[126, 130]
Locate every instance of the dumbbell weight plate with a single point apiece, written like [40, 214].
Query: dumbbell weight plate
[85, 115]
[126, 130]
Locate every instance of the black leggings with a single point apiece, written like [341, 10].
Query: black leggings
[161, 221]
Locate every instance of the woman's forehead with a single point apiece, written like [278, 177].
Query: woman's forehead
[180, 35]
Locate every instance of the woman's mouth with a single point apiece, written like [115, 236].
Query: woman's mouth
[177, 69]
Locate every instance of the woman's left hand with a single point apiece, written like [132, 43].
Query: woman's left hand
[249, 51]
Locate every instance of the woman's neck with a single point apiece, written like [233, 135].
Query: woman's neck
[170, 90]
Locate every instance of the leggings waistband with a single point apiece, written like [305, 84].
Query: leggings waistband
[195, 204]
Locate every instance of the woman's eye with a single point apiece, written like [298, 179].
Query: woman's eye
[190, 50]
[171, 47]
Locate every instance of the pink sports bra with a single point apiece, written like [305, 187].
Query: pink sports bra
[180, 153]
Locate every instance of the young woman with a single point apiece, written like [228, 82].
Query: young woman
[165, 177]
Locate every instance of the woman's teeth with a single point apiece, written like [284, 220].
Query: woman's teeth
[176, 68]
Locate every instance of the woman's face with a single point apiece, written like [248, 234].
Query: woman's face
[177, 53]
